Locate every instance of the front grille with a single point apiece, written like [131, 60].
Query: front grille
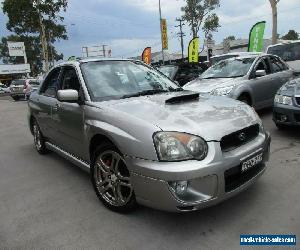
[297, 117]
[236, 139]
[298, 100]
[235, 178]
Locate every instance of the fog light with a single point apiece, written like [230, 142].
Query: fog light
[179, 187]
[283, 118]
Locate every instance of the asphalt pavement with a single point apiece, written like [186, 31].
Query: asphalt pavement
[47, 203]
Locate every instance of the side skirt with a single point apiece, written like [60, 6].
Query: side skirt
[72, 158]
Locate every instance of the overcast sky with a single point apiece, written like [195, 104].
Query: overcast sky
[128, 26]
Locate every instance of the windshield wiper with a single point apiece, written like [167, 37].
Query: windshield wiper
[146, 92]
[176, 89]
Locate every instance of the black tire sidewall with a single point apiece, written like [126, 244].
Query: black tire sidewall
[131, 204]
[43, 149]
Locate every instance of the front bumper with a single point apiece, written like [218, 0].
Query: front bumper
[208, 179]
[286, 114]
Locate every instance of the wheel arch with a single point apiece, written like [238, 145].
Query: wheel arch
[97, 140]
[247, 95]
[31, 121]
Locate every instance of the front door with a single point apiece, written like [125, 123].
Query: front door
[70, 117]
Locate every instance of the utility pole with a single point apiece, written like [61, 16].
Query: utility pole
[43, 36]
[274, 20]
[104, 50]
[162, 47]
[181, 35]
[51, 49]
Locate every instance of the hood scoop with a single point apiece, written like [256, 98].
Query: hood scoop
[182, 98]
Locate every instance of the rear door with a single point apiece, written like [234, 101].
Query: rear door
[260, 85]
[281, 73]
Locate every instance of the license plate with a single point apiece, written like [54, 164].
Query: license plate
[252, 162]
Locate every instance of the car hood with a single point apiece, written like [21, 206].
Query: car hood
[209, 117]
[208, 85]
[291, 88]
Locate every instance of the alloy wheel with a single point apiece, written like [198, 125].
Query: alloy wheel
[112, 178]
[37, 137]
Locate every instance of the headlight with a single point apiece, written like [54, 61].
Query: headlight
[222, 91]
[173, 146]
[282, 99]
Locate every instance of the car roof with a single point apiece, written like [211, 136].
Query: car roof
[239, 54]
[91, 59]
[284, 43]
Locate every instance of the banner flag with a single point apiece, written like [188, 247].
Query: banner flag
[194, 50]
[256, 37]
[164, 34]
[146, 56]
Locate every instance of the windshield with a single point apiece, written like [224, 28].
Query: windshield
[169, 71]
[217, 59]
[229, 68]
[107, 80]
[288, 52]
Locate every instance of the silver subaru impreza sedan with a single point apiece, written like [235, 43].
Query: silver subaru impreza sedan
[144, 139]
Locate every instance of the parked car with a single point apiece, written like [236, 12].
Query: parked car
[143, 139]
[4, 89]
[218, 58]
[17, 89]
[31, 85]
[289, 51]
[286, 111]
[253, 79]
[183, 72]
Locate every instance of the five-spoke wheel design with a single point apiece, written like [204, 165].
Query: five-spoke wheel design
[112, 179]
[37, 137]
[39, 140]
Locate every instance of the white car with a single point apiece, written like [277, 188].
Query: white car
[4, 89]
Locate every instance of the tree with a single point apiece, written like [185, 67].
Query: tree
[274, 18]
[38, 19]
[291, 35]
[33, 52]
[199, 13]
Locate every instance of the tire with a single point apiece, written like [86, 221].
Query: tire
[112, 182]
[16, 98]
[245, 99]
[39, 140]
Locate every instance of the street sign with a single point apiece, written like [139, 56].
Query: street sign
[164, 34]
[16, 48]
[209, 43]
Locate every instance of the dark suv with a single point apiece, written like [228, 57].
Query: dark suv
[183, 73]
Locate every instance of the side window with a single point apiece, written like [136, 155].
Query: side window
[51, 84]
[276, 64]
[263, 65]
[70, 79]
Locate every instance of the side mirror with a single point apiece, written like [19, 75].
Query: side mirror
[67, 95]
[259, 73]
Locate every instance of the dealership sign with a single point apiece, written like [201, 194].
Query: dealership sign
[16, 48]
[9, 69]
